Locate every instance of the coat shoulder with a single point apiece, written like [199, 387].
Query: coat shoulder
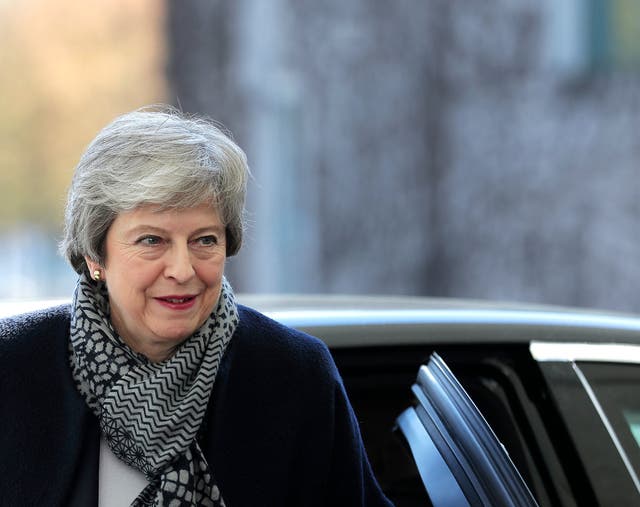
[264, 336]
[31, 333]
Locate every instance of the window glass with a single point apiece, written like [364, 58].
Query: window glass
[633, 420]
[616, 387]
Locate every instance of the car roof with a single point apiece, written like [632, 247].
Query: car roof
[379, 320]
[344, 321]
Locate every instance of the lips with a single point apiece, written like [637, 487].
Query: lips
[177, 302]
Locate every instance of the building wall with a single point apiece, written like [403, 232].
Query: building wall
[431, 148]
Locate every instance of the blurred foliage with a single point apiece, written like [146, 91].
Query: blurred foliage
[67, 69]
[614, 34]
[626, 32]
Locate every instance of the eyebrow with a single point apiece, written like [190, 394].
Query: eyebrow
[138, 229]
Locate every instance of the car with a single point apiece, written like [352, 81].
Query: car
[482, 403]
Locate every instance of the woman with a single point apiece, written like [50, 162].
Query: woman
[154, 387]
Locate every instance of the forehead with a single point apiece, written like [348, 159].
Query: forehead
[178, 219]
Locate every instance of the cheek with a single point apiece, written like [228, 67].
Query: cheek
[126, 293]
[133, 278]
[211, 273]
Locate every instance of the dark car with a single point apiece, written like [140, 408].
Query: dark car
[559, 388]
[476, 403]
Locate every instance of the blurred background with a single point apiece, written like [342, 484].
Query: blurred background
[415, 147]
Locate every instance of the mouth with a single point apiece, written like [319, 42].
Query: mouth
[177, 302]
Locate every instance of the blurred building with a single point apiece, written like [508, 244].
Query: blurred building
[433, 147]
[440, 147]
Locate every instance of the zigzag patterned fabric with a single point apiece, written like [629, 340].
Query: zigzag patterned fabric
[150, 413]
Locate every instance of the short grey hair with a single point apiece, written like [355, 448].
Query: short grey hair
[156, 156]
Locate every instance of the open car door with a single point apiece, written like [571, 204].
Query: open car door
[459, 458]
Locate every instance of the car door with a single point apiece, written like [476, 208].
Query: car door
[459, 458]
[596, 387]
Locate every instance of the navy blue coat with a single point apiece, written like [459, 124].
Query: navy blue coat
[279, 431]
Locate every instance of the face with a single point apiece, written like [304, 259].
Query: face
[163, 272]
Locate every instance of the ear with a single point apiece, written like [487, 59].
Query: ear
[91, 265]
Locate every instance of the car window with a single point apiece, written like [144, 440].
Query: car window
[615, 390]
[598, 401]
[464, 463]
[633, 420]
[505, 384]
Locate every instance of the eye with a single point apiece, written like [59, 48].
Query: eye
[149, 240]
[207, 240]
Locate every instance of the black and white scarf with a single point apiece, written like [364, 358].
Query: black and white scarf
[150, 413]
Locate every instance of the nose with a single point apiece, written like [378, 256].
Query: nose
[178, 264]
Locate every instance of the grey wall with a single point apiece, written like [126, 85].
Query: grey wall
[420, 147]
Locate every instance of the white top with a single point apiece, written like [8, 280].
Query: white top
[118, 483]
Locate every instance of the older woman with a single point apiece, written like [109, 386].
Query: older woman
[154, 387]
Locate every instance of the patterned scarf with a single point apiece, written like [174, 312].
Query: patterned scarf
[150, 413]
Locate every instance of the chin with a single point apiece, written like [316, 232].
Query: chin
[176, 332]
[176, 336]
